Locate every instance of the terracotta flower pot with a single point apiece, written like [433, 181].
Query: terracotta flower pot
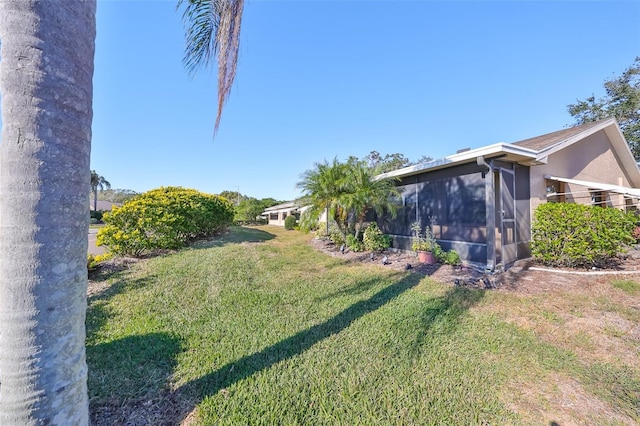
[426, 257]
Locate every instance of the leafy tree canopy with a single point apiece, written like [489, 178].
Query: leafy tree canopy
[234, 196]
[346, 191]
[249, 209]
[117, 195]
[622, 101]
[390, 162]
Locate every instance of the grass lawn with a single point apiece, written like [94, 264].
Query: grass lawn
[259, 328]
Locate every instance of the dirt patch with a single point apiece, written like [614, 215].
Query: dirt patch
[561, 400]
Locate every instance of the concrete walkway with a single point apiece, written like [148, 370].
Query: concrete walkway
[93, 248]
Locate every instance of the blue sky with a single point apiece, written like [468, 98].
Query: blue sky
[324, 79]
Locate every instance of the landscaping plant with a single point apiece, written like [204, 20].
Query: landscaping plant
[575, 235]
[374, 239]
[163, 218]
[290, 222]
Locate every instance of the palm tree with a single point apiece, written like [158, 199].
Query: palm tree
[346, 191]
[366, 192]
[46, 76]
[322, 188]
[97, 182]
[213, 30]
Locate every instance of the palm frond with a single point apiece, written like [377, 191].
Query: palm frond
[212, 30]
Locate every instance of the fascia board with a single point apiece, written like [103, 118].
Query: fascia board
[461, 158]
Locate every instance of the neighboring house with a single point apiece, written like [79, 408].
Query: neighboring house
[104, 205]
[480, 202]
[277, 214]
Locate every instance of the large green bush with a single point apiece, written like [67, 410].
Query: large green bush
[163, 218]
[565, 234]
[290, 222]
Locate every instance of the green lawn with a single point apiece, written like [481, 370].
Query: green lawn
[258, 328]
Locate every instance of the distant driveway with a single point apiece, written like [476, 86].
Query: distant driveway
[93, 248]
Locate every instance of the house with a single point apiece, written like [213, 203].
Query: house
[480, 202]
[277, 214]
[104, 205]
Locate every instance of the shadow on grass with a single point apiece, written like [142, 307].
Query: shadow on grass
[442, 313]
[98, 312]
[453, 304]
[126, 377]
[130, 378]
[358, 288]
[294, 345]
[235, 235]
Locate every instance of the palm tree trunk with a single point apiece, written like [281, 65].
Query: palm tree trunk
[46, 85]
[95, 199]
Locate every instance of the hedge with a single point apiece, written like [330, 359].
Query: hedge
[565, 234]
[163, 218]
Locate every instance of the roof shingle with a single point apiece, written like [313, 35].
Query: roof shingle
[539, 143]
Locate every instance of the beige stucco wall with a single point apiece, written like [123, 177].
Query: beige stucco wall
[282, 215]
[590, 159]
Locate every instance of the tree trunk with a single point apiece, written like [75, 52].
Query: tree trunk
[95, 199]
[46, 76]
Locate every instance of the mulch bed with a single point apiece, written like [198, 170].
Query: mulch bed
[523, 276]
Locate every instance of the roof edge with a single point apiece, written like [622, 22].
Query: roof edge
[461, 158]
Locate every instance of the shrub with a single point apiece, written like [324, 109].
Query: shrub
[451, 258]
[163, 218]
[354, 244]
[374, 239]
[290, 222]
[335, 235]
[94, 260]
[577, 235]
[97, 215]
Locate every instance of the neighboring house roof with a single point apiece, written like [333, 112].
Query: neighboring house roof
[282, 207]
[104, 205]
[535, 151]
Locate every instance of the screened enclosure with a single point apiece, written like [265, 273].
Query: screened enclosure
[458, 202]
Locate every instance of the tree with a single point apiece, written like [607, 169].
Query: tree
[97, 182]
[46, 71]
[346, 191]
[117, 195]
[233, 196]
[46, 75]
[213, 30]
[363, 192]
[248, 210]
[323, 187]
[391, 162]
[622, 101]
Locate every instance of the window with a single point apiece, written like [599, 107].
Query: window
[599, 198]
[630, 204]
[273, 216]
[555, 191]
